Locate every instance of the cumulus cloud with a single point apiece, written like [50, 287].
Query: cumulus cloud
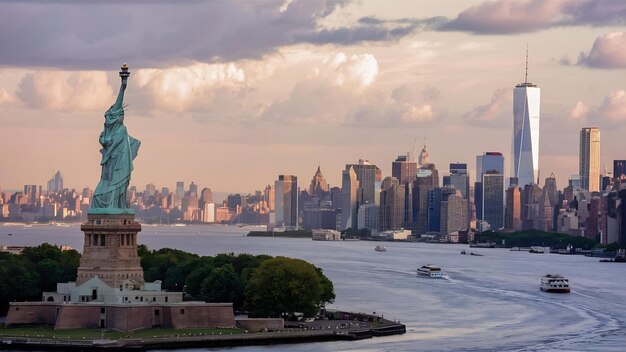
[578, 113]
[494, 114]
[185, 87]
[7, 98]
[515, 16]
[404, 106]
[613, 108]
[608, 51]
[356, 70]
[391, 113]
[59, 90]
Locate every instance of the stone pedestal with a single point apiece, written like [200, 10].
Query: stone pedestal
[110, 251]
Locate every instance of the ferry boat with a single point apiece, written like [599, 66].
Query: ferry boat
[431, 271]
[554, 283]
[380, 248]
[536, 249]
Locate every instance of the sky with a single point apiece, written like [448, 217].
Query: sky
[230, 94]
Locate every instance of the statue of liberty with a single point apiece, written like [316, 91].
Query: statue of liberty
[118, 152]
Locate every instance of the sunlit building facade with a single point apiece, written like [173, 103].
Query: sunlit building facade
[526, 116]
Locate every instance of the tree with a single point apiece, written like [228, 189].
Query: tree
[222, 285]
[285, 286]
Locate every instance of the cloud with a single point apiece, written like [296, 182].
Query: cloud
[515, 16]
[494, 114]
[357, 70]
[613, 108]
[578, 113]
[611, 113]
[403, 107]
[185, 88]
[58, 90]
[608, 51]
[7, 98]
[80, 35]
[392, 114]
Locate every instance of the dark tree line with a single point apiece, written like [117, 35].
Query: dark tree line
[258, 284]
[24, 277]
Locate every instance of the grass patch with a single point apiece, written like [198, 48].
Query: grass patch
[46, 332]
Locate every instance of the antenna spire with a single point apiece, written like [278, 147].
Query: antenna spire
[526, 75]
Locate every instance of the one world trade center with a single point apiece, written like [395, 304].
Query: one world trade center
[526, 100]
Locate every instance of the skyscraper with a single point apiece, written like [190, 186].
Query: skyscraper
[180, 193]
[55, 184]
[404, 168]
[619, 169]
[318, 186]
[349, 190]
[589, 159]
[286, 201]
[493, 199]
[489, 162]
[366, 174]
[391, 204]
[526, 113]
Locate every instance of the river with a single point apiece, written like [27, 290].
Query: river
[488, 303]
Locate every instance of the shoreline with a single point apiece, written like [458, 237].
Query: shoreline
[210, 341]
[305, 333]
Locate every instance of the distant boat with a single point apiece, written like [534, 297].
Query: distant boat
[536, 249]
[10, 234]
[380, 248]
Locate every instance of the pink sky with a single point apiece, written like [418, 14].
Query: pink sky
[230, 95]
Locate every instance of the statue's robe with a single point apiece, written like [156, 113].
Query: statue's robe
[118, 151]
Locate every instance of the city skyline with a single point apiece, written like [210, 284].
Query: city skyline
[320, 83]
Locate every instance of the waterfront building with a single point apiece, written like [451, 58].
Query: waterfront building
[493, 199]
[513, 215]
[349, 190]
[530, 197]
[150, 191]
[31, 194]
[319, 218]
[526, 118]
[425, 180]
[589, 159]
[180, 193]
[367, 217]
[488, 162]
[206, 196]
[286, 201]
[391, 210]
[366, 174]
[453, 215]
[208, 212]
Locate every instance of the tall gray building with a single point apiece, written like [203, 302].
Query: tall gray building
[391, 204]
[286, 201]
[589, 159]
[349, 192]
[493, 199]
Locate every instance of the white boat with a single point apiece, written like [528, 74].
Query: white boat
[554, 283]
[431, 271]
[536, 249]
[380, 248]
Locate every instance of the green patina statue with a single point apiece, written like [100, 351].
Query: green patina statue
[118, 152]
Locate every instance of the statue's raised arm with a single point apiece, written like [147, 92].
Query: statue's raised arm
[118, 152]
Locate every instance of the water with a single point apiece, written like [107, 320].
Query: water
[488, 303]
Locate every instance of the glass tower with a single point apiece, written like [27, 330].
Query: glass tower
[526, 101]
